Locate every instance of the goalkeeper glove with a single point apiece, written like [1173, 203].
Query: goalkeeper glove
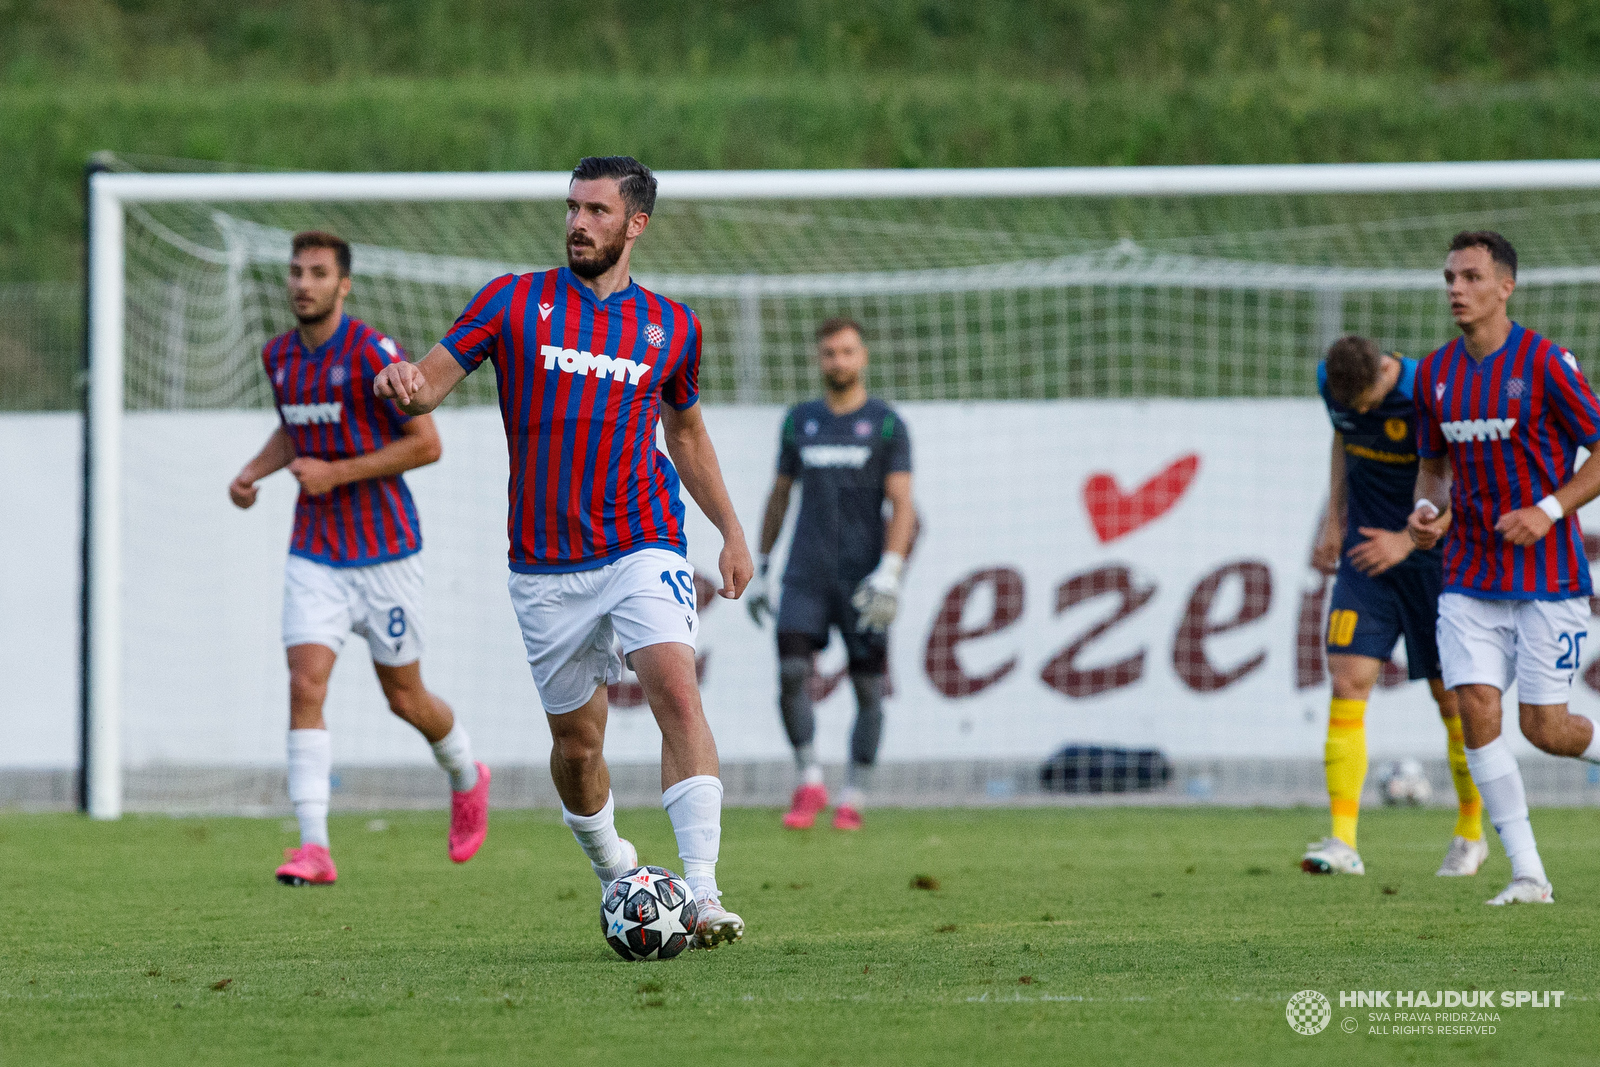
[760, 605]
[877, 598]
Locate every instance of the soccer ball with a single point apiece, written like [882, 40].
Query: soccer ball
[648, 914]
[1405, 783]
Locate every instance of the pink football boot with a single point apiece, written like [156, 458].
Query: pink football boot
[846, 818]
[308, 865]
[469, 818]
[808, 802]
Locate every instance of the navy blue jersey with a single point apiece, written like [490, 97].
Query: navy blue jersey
[1380, 460]
[841, 462]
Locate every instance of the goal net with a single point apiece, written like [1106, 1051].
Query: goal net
[1120, 462]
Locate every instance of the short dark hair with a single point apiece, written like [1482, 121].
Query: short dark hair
[838, 324]
[1498, 247]
[634, 180]
[1353, 362]
[324, 239]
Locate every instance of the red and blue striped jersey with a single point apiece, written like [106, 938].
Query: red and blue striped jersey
[581, 380]
[327, 407]
[1512, 424]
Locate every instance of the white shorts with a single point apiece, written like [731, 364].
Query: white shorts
[571, 623]
[322, 605]
[1536, 643]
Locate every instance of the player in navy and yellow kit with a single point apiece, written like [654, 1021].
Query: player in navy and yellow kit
[1386, 589]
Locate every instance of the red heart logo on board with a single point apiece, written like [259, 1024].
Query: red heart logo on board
[1116, 514]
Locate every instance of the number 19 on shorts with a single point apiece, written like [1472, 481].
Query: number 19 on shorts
[681, 584]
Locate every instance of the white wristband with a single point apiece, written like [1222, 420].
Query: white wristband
[1427, 507]
[1551, 507]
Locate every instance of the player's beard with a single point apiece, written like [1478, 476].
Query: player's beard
[841, 381]
[601, 258]
[317, 314]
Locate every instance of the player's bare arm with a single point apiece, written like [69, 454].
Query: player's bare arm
[418, 388]
[693, 454]
[1527, 525]
[275, 455]
[777, 509]
[1430, 518]
[1325, 557]
[418, 446]
[902, 529]
[759, 603]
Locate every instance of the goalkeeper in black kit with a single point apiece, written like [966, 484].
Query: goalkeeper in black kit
[850, 453]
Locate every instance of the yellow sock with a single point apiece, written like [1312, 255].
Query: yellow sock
[1469, 824]
[1345, 759]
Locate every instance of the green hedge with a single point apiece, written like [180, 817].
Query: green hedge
[1168, 41]
[46, 134]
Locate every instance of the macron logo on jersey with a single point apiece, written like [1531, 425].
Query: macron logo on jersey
[311, 414]
[1463, 430]
[853, 456]
[573, 361]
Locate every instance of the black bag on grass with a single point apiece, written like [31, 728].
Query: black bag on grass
[1096, 769]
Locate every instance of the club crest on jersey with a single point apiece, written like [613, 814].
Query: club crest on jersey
[338, 375]
[863, 427]
[1395, 429]
[654, 335]
[574, 361]
[1515, 388]
[811, 427]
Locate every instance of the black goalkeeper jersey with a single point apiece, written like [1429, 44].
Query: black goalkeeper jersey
[841, 462]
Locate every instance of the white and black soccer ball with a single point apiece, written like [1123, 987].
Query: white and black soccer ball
[1406, 783]
[648, 914]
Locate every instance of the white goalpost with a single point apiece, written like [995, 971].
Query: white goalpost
[1109, 375]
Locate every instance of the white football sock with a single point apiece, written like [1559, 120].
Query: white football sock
[811, 772]
[597, 834]
[1494, 771]
[454, 753]
[805, 756]
[1592, 753]
[310, 765]
[695, 807]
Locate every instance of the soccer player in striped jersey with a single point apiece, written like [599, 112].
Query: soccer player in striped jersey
[588, 364]
[1386, 589]
[1501, 413]
[354, 562]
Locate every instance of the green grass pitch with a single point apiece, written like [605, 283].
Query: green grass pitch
[1054, 936]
